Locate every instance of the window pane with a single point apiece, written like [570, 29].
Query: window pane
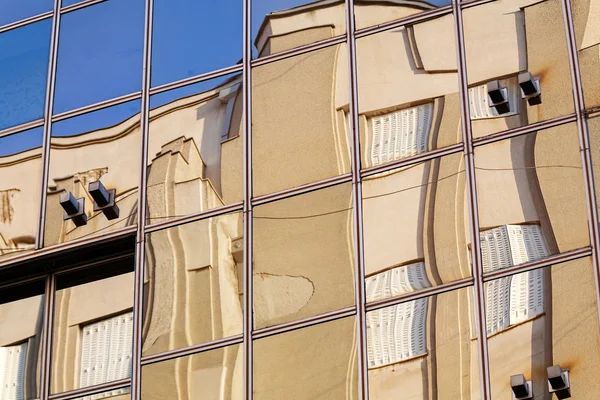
[424, 346]
[193, 283]
[415, 227]
[561, 330]
[214, 374]
[195, 148]
[585, 19]
[20, 156]
[284, 24]
[100, 53]
[217, 25]
[23, 73]
[369, 13]
[299, 114]
[505, 41]
[408, 100]
[16, 10]
[99, 146]
[303, 256]
[93, 327]
[531, 197]
[594, 132]
[318, 362]
[22, 319]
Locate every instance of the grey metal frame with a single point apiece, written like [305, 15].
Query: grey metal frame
[360, 309]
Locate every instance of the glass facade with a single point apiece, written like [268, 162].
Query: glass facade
[333, 199]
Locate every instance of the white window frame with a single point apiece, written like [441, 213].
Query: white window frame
[12, 371]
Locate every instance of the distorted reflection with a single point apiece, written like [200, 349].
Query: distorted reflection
[587, 33]
[299, 113]
[414, 231]
[531, 197]
[303, 263]
[100, 53]
[195, 148]
[549, 317]
[24, 56]
[16, 10]
[21, 318]
[215, 374]
[93, 328]
[20, 156]
[594, 132]
[314, 363]
[175, 56]
[525, 75]
[408, 100]
[284, 24]
[423, 349]
[373, 12]
[193, 283]
[99, 146]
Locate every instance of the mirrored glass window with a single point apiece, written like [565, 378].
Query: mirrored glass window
[16, 10]
[23, 73]
[587, 34]
[214, 374]
[318, 362]
[415, 227]
[22, 320]
[531, 197]
[303, 256]
[191, 37]
[195, 148]
[594, 132]
[94, 173]
[369, 13]
[517, 64]
[408, 100]
[540, 319]
[193, 283]
[93, 328]
[99, 54]
[20, 156]
[299, 120]
[284, 24]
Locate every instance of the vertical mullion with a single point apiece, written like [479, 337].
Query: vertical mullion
[584, 144]
[359, 289]
[48, 106]
[46, 357]
[140, 250]
[476, 262]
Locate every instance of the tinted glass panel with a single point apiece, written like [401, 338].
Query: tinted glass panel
[585, 19]
[20, 156]
[531, 197]
[424, 346]
[415, 230]
[23, 73]
[22, 320]
[193, 283]
[214, 374]
[285, 24]
[318, 362]
[15, 10]
[195, 148]
[408, 100]
[368, 13]
[549, 318]
[100, 53]
[190, 37]
[299, 112]
[99, 146]
[594, 132]
[509, 47]
[303, 262]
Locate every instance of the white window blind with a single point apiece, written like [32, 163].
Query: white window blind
[400, 134]
[12, 372]
[517, 298]
[479, 101]
[396, 333]
[106, 353]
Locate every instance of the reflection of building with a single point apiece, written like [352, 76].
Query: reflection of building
[424, 310]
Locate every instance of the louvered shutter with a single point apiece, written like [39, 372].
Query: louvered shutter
[479, 101]
[12, 372]
[401, 133]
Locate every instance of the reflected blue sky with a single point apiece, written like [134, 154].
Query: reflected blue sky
[15, 10]
[160, 99]
[104, 118]
[19, 142]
